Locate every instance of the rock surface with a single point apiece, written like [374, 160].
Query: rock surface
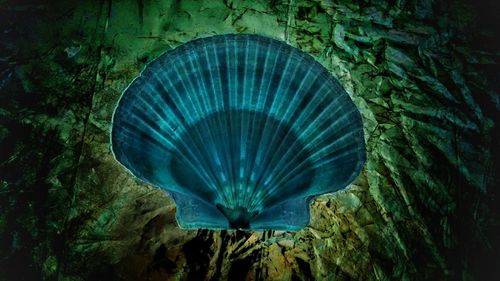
[423, 73]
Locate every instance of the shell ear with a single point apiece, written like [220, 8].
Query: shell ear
[193, 213]
[290, 215]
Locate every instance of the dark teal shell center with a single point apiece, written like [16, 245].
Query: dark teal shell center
[225, 137]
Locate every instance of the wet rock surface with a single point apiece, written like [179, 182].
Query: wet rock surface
[424, 75]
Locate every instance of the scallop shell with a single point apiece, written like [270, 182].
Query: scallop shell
[242, 130]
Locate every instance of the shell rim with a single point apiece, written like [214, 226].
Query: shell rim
[324, 73]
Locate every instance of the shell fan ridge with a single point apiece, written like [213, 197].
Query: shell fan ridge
[243, 131]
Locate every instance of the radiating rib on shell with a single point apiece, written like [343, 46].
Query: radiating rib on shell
[242, 130]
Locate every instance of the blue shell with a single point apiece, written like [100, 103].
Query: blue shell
[242, 130]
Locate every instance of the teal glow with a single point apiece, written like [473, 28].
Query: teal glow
[242, 130]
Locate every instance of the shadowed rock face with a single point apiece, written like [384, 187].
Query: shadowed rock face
[423, 74]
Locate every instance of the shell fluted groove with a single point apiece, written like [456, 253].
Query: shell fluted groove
[242, 130]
